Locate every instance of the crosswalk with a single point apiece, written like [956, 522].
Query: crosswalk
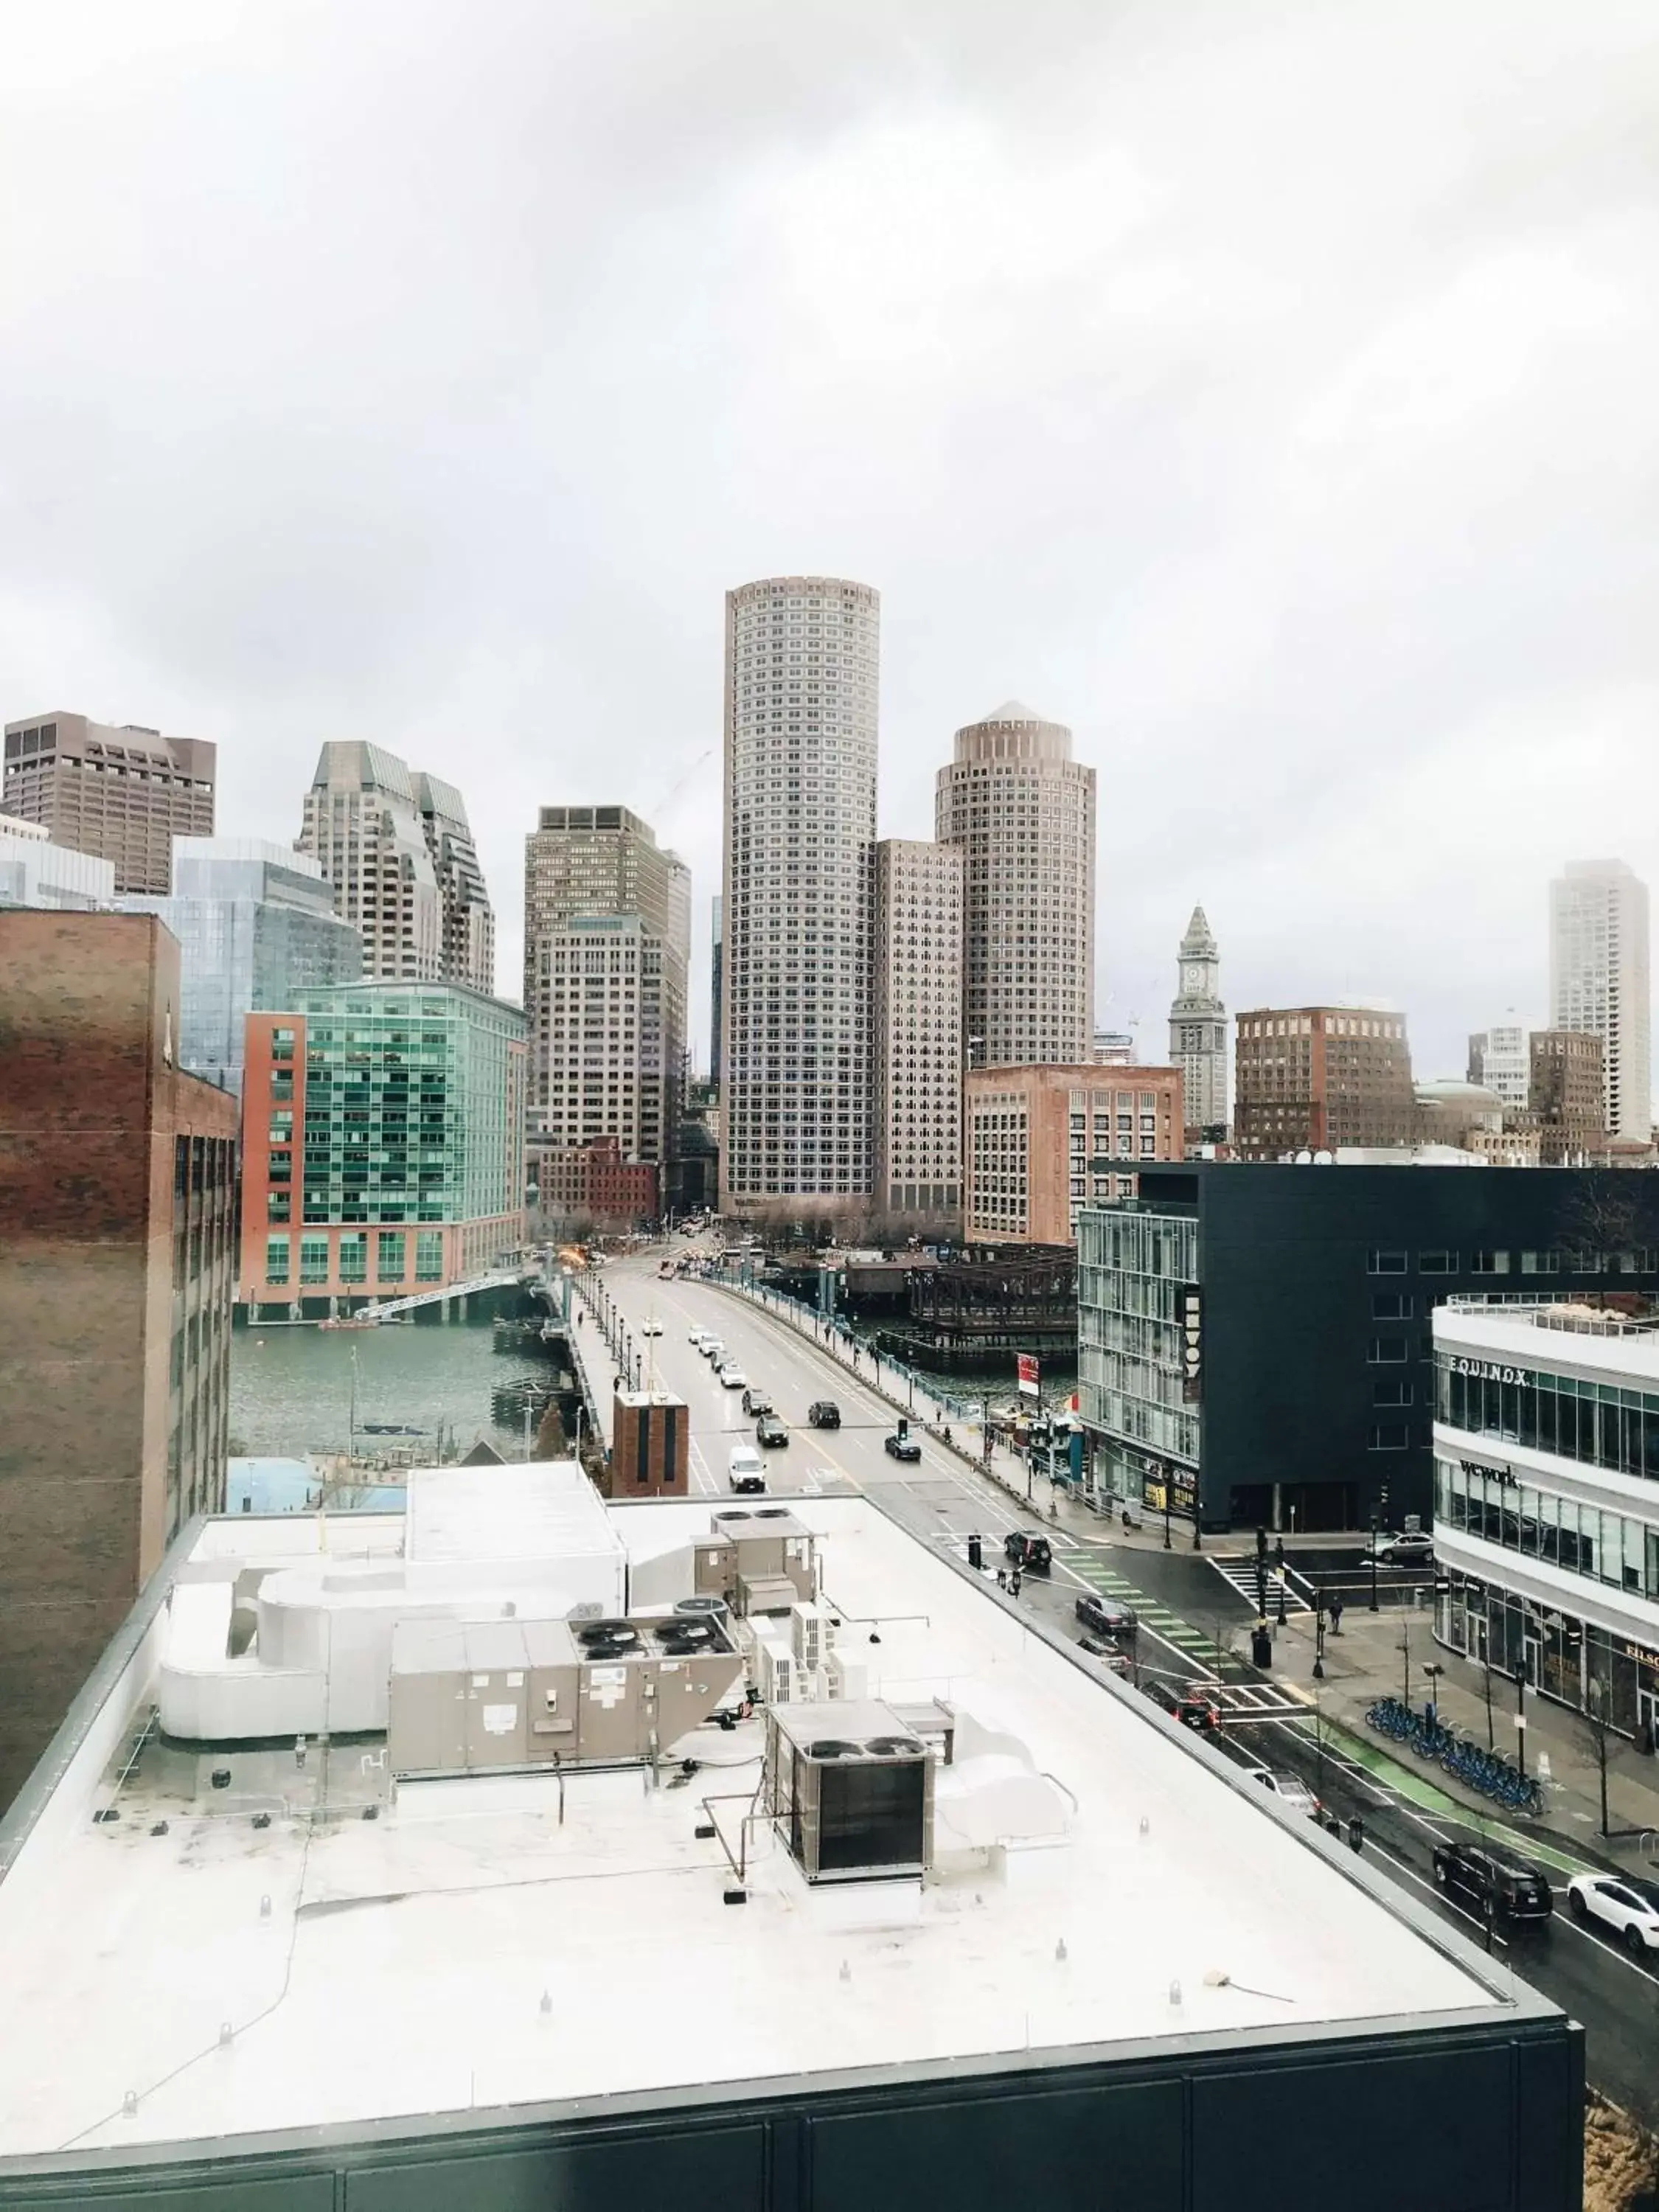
[1089, 1567]
[1238, 1570]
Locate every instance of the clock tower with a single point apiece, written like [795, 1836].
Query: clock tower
[1198, 1029]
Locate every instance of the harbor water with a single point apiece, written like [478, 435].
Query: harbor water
[291, 1388]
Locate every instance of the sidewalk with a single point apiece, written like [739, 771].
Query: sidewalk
[1366, 1662]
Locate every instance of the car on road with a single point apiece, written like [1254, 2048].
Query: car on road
[823, 1413]
[696, 1338]
[900, 1444]
[1190, 1702]
[712, 1350]
[755, 1400]
[1493, 1883]
[1413, 1550]
[1627, 1903]
[745, 1470]
[650, 1325]
[1105, 1616]
[732, 1376]
[1289, 1789]
[770, 1430]
[1108, 1654]
[1032, 1555]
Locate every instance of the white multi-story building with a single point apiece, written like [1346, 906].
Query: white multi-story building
[918, 1026]
[1198, 1027]
[601, 1026]
[1547, 1501]
[35, 872]
[1023, 810]
[605, 862]
[1599, 982]
[1500, 1061]
[798, 897]
[1113, 1048]
[363, 824]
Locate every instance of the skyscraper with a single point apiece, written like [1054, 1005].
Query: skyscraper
[1023, 810]
[364, 824]
[918, 1027]
[603, 864]
[1198, 1027]
[255, 923]
[717, 951]
[802, 656]
[122, 793]
[1313, 1078]
[1599, 982]
[468, 926]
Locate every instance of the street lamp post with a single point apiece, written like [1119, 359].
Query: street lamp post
[1168, 1486]
[1375, 1539]
[1521, 1717]
[1319, 1636]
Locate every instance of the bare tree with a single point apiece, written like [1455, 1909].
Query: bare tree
[1603, 1218]
[549, 1436]
[1597, 1735]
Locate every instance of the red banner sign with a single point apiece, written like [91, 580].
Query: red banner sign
[1027, 1365]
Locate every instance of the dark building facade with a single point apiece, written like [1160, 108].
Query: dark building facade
[118, 1208]
[1255, 1341]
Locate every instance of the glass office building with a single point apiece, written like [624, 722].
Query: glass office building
[383, 1136]
[256, 925]
[1547, 1501]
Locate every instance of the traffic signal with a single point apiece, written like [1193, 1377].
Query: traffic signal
[903, 1426]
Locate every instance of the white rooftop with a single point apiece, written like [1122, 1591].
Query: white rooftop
[1564, 1339]
[236, 1979]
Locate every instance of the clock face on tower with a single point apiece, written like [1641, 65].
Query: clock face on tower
[1191, 978]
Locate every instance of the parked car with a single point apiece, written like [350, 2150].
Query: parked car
[732, 1376]
[901, 1446]
[1105, 1616]
[1628, 1904]
[1190, 1702]
[1289, 1789]
[823, 1413]
[1416, 1550]
[1032, 1555]
[745, 1470]
[651, 1326]
[1492, 1883]
[755, 1400]
[770, 1430]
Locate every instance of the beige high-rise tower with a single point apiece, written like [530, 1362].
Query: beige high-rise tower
[798, 897]
[363, 823]
[1023, 810]
[124, 794]
[918, 1029]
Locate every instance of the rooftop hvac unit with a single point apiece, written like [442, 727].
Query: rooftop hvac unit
[776, 1675]
[845, 1677]
[856, 1805]
[809, 1634]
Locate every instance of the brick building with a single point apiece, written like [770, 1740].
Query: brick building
[1042, 1143]
[594, 1186]
[117, 1201]
[1566, 1096]
[1310, 1079]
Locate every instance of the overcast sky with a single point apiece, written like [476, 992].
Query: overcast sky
[1267, 391]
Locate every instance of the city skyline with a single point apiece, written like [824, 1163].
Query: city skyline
[1276, 453]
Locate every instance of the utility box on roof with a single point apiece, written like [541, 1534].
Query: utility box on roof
[651, 1445]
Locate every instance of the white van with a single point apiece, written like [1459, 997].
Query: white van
[745, 1470]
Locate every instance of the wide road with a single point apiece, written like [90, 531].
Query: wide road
[1188, 1615]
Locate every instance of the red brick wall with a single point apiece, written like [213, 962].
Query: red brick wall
[89, 1110]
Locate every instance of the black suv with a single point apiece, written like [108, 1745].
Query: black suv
[1030, 1554]
[1494, 1884]
[1106, 1617]
[1190, 1702]
[769, 1430]
[755, 1400]
[823, 1413]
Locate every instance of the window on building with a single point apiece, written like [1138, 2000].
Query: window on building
[1388, 1351]
[313, 1259]
[353, 1257]
[389, 1256]
[429, 1255]
[1386, 1263]
[1491, 1263]
[1437, 1263]
[276, 1258]
[1391, 1435]
[1390, 1305]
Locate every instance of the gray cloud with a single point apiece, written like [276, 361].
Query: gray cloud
[1266, 390]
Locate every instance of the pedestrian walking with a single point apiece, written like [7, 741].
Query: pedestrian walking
[1336, 1616]
[1002, 1577]
[1013, 1584]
